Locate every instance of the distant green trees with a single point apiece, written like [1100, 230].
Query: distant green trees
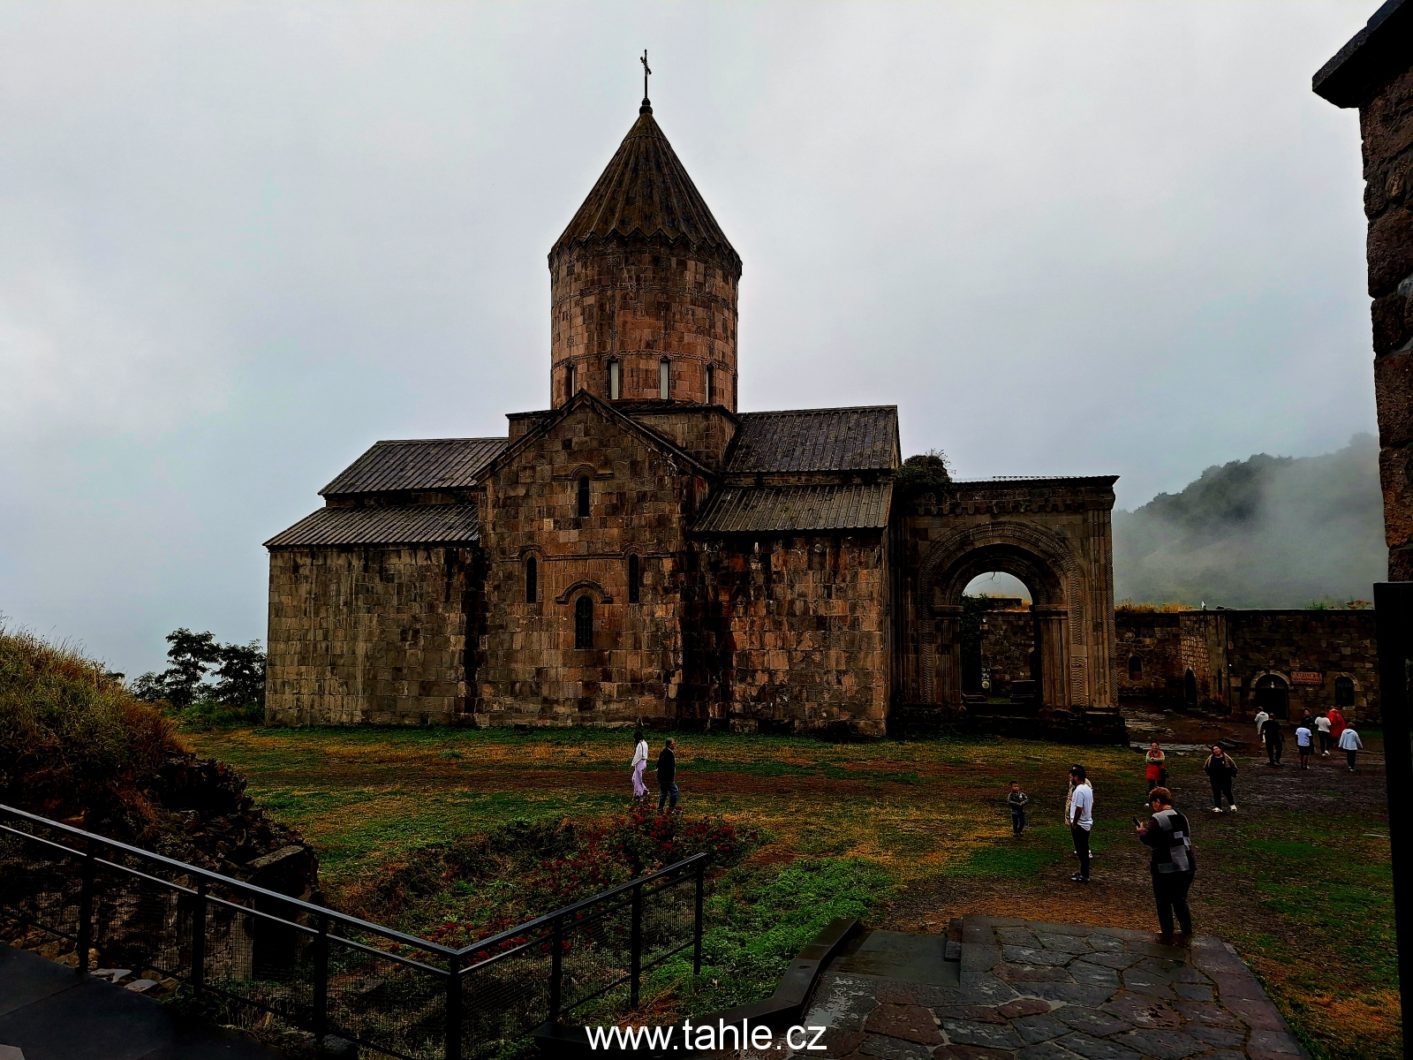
[203, 671]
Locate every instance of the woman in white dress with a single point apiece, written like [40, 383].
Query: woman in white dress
[640, 763]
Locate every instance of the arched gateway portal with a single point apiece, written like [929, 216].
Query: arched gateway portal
[1052, 534]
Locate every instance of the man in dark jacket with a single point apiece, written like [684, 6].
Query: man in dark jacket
[1169, 839]
[667, 777]
[1275, 740]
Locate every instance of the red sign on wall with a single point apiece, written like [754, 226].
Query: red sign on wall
[1307, 677]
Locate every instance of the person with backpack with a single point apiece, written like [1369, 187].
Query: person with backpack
[1220, 768]
[1173, 864]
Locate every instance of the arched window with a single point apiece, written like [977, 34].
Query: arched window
[583, 502]
[634, 577]
[532, 580]
[569, 381]
[613, 380]
[1344, 691]
[710, 385]
[584, 622]
[664, 379]
[1135, 667]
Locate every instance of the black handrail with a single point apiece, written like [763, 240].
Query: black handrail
[555, 928]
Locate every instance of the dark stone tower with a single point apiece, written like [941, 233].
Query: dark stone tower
[643, 285]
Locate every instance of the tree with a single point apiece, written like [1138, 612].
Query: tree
[239, 670]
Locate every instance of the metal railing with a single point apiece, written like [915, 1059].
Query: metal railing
[330, 973]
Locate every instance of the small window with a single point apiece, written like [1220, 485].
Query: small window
[584, 622]
[1344, 691]
[613, 383]
[710, 385]
[583, 502]
[664, 379]
[1135, 668]
[634, 576]
[569, 381]
[532, 580]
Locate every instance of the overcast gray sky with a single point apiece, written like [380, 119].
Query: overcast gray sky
[239, 242]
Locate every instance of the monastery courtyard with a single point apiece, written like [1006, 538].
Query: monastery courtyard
[915, 833]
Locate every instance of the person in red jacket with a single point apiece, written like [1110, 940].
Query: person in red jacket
[1337, 724]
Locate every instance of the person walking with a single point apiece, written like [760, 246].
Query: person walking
[640, 763]
[1275, 740]
[1081, 820]
[1337, 724]
[1017, 800]
[1261, 717]
[667, 777]
[1351, 745]
[1304, 743]
[1155, 769]
[1220, 768]
[1322, 729]
[1173, 864]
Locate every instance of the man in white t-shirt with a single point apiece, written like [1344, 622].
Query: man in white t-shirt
[1261, 718]
[1081, 820]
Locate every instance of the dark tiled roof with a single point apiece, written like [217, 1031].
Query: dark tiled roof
[856, 439]
[764, 509]
[417, 464]
[398, 524]
[645, 193]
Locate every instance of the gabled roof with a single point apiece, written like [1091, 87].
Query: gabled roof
[417, 464]
[774, 509]
[398, 524]
[848, 439]
[583, 398]
[645, 193]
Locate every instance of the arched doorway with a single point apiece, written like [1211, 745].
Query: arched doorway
[1041, 564]
[998, 639]
[1344, 691]
[1272, 694]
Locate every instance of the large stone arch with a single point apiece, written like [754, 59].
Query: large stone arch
[1054, 535]
[1045, 562]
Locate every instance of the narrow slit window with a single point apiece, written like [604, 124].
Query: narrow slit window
[634, 578]
[584, 622]
[583, 500]
[613, 383]
[532, 580]
[569, 374]
[710, 385]
[664, 379]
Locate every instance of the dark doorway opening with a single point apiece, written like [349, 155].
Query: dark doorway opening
[1272, 695]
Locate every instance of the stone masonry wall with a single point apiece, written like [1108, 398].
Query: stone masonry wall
[370, 635]
[803, 628]
[1386, 122]
[639, 303]
[640, 501]
[1007, 646]
[1229, 651]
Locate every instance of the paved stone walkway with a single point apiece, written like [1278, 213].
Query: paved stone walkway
[1017, 988]
[50, 1012]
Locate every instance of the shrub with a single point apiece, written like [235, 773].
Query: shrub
[72, 740]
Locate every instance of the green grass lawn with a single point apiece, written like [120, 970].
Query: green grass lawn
[906, 834]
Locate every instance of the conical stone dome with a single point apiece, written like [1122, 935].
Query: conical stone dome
[645, 193]
[643, 285]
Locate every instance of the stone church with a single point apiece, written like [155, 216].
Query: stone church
[642, 550]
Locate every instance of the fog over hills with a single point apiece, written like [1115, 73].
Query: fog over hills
[1268, 531]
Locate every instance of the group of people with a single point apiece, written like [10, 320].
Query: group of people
[666, 772]
[1329, 728]
[1167, 832]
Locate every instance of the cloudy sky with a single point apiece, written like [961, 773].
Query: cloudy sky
[241, 241]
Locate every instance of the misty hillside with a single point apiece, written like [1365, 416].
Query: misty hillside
[1269, 531]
